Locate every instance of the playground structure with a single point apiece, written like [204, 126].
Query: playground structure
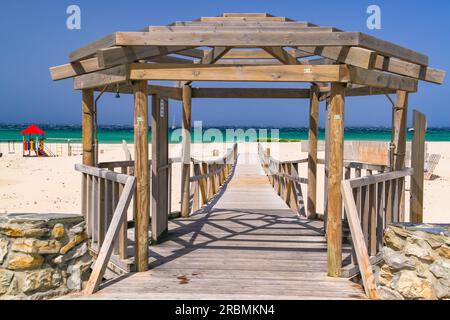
[246, 47]
[35, 143]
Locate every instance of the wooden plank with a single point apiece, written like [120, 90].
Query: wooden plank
[391, 50]
[281, 73]
[215, 54]
[107, 247]
[335, 167]
[250, 93]
[243, 19]
[90, 49]
[202, 28]
[369, 59]
[312, 153]
[281, 55]
[165, 92]
[241, 39]
[363, 181]
[378, 79]
[141, 172]
[74, 69]
[186, 150]
[102, 78]
[359, 243]
[101, 211]
[418, 164]
[160, 165]
[260, 54]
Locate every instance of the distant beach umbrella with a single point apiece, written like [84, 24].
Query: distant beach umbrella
[33, 129]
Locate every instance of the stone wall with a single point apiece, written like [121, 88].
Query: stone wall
[416, 262]
[42, 255]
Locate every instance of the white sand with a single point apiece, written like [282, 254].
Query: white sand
[45, 185]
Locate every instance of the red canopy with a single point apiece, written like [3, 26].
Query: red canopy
[33, 129]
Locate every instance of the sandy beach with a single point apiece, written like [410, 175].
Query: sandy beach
[51, 185]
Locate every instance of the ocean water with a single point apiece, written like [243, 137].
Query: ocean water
[115, 134]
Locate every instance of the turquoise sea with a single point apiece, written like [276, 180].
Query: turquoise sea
[115, 134]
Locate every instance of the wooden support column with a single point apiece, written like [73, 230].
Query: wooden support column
[160, 167]
[88, 126]
[418, 164]
[335, 175]
[141, 172]
[401, 117]
[327, 152]
[186, 150]
[312, 152]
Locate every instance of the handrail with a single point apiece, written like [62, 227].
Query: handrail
[106, 196]
[371, 203]
[285, 179]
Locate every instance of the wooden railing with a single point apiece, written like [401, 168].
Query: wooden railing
[209, 176]
[371, 203]
[106, 196]
[285, 179]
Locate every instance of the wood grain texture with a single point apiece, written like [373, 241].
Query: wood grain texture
[418, 164]
[312, 153]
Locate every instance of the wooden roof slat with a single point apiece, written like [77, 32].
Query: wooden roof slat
[250, 93]
[232, 14]
[281, 55]
[245, 24]
[379, 79]
[261, 54]
[233, 28]
[215, 54]
[242, 39]
[102, 77]
[92, 48]
[244, 19]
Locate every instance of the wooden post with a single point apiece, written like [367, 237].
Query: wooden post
[160, 167]
[418, 163]
[312, 152]
[141, 172]
[401, 115]
[335, 173]
[186, 150]
[87, 126]
[327, 151]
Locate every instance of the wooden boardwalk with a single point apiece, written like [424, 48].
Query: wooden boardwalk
[247, 244]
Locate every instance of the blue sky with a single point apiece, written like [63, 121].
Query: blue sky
[34, 37]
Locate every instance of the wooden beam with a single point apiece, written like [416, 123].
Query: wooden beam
[226, 14]
[238, 28]
[335, 175]
[281, 55]
[186, 151]
[418, 164]
[141, 172]
[244, 19]
[166, 92]
[380, 79]
[160, 159]
[87, 126]
[90, 49]
[368, 59]
[101, 78]
[260, 54]
[244, 24]
[215, 54]
[401, 118]
[391, 50]
[282, 73]
[233, 39]
[250, 93]
[312, 152]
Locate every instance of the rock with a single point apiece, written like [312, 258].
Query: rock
[444, 251]
[396, 260]
[442, 291]
[21, 261]
[413, 249]
[412, 287]
[5, 280]
[3, 249]
[76, 239]
[393, 241]
[22, 230]
[58, 231]
[78, 229]
[77, 252]
[78, 273]
[40, 280]
[36, 246]
[389, 294]
[441, 269]
[386, 275]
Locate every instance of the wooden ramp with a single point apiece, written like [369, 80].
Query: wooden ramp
[246, 245]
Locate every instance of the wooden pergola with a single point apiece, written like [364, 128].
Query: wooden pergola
[241, 47]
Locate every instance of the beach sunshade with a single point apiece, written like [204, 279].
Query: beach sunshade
[33, 129]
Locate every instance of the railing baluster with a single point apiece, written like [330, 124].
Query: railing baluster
[95, 210]
[89, 213]
[101, 211]
[372, 220]
[365, 213]
[380, 216]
